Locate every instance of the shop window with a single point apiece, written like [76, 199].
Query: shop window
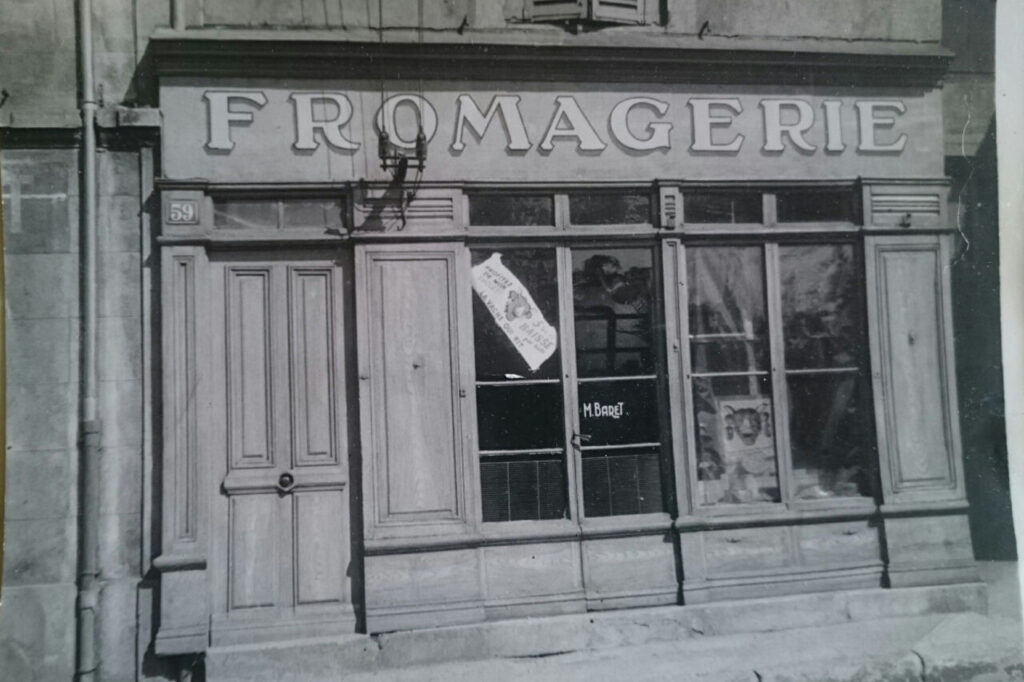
[805, 206]
[519, 392]
[487, 210]
[522, 357]
[823, 331]
[732, 392]
[609, 208]
[616, 367]
[270, 214]
[722, 207]
[820, 351]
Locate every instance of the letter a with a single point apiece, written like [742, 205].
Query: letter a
[579, 127]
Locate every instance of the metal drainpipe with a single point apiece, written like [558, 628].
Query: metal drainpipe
[178, 15]
[87, 606]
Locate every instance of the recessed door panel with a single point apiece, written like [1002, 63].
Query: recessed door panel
[255, 553]
[249, 377]
[321, 567]
[313, 367]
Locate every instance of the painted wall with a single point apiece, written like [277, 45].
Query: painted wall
[196, 143]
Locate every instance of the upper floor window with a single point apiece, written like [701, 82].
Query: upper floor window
[597, 11]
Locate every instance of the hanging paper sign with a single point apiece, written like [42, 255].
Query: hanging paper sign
[514, 311]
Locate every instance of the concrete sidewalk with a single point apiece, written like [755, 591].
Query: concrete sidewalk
[930, 645]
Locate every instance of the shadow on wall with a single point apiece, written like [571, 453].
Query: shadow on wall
[978, 348]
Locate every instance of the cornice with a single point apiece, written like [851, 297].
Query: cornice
[649, 58]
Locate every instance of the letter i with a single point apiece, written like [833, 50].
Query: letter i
[833, 126]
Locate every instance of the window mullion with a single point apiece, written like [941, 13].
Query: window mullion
[780, 397]
[562, 221]
[570, 392]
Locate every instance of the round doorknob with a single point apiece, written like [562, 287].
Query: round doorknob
[285, 482]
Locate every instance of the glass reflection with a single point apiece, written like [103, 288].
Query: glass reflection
[827, 434]
[829, 422]
[613, 306]
[732, 396]
[821, 306]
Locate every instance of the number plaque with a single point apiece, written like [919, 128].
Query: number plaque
[182, 212]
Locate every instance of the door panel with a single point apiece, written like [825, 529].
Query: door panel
[254, 575]
[320, 576]
[283, 501]
[413, 399]
[313, 367]
[915, 391]
[249, 384]
[414, 303]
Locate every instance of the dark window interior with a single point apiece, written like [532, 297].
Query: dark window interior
[609, 208]
[511, 209]
[722, 207]
[803, 206]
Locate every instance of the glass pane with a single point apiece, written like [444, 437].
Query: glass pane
[722, 207]
[619, 412]
[613, 302]
[518, 488]
[728, 320]
[512, 417]
[622, 482]
[517, 324]
[808, 206]
[245, 215]
[320, 214]
[609, 208]
[735, 440]
[821, 306]
[511, 209]
[829, 433]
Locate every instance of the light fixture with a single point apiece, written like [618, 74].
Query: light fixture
[392, 159]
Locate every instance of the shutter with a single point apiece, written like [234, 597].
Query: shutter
[550, 10]
[618, 11]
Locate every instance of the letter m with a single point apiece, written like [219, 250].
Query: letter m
[469, 114]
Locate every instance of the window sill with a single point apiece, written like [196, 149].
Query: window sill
[776, 515]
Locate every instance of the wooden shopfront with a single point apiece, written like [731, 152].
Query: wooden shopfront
[618, 344]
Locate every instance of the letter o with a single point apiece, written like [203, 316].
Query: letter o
[427, 115]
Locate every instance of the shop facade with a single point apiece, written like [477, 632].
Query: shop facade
[571, 337]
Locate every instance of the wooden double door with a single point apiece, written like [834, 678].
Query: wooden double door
[281, 555]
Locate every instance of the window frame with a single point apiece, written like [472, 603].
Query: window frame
[577, 521]
[770, 244]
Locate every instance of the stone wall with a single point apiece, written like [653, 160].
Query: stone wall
[37, 611]
[41, 236]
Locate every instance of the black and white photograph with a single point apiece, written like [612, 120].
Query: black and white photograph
[547, 340]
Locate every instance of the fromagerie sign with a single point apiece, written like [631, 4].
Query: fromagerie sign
[504, 134]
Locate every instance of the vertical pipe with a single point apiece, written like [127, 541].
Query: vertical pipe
[178, 15]
[89, 436]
